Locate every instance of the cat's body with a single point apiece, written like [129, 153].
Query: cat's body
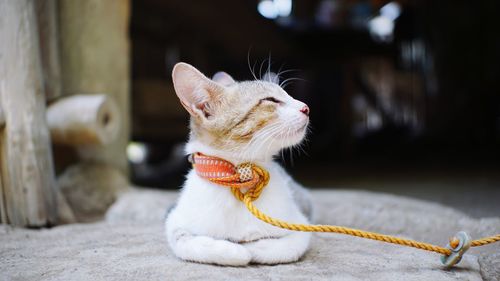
[208, 224]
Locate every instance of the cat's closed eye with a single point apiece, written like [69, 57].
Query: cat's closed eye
[271, 99]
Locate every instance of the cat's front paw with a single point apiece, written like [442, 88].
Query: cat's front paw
[229, 253]
[286, 249]
[205, 249]
[264, 253]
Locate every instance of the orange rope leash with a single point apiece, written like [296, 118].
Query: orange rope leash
[259, 180]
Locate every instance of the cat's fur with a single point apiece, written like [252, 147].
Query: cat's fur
[240, 122]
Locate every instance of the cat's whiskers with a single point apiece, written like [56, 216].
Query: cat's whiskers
[278, 131]
[298, 146]
[291, 79]
[291, 153]
[269, 66]
[260, 69]
[270, 134]
[252, 71]
[262, 138]
[286, 71]
[282, 130]
[305, 141]
[247, 149]
[283, 149]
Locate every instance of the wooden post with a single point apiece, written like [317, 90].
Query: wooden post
[2, 117]
[3, 211]
[95, 59]
[26, 167]
[48, 33]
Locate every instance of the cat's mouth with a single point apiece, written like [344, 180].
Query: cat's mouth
[296, 132]
[302, 129]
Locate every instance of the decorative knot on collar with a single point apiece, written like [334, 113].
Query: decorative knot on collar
[222, 172]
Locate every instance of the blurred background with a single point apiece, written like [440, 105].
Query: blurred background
[404, 95]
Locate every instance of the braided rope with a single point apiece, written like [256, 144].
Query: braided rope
[262, 178]
[485, 241]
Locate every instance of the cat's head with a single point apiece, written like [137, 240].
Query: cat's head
[244, 120]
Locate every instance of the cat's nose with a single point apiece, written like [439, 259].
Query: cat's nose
[305, 110]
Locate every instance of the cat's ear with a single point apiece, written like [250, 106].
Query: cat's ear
[223, 78]
[271, 77]
[196, 92]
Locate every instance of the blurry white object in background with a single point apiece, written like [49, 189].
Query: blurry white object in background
[267, 9]
[382, 27]
[136, 152]
[272, 9]
[391, 10]
[284, 7]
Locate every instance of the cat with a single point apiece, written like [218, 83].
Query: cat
[249, 121]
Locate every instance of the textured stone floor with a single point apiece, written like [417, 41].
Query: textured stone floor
[130, 245]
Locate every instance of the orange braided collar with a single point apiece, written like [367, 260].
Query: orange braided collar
[222, 172]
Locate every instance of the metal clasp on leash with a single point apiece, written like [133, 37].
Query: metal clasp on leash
[458, 245]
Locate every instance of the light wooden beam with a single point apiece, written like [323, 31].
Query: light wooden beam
[26, 167]
[48, 32]
[95, 59]
[2, 117]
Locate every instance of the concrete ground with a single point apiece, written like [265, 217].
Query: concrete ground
[130, 244]
[473, 191]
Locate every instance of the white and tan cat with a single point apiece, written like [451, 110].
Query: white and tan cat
[248, 121]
